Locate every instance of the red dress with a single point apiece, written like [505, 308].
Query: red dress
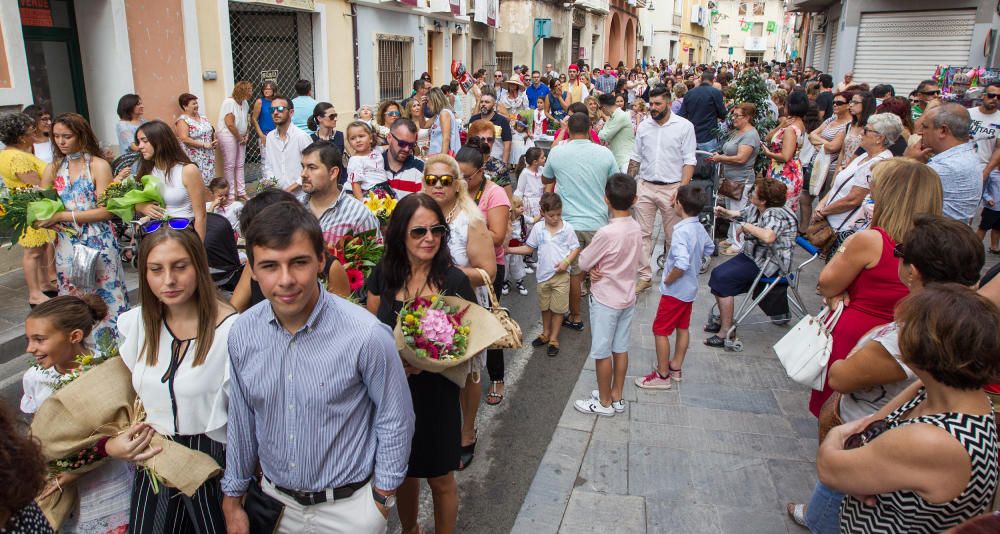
[874, 294]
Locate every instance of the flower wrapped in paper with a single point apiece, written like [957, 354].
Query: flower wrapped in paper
[22, 206]
[381, 204]
[120, 198]
[358, 253]
[441, 334]
[101, 403]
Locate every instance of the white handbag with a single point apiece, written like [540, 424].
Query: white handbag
[805, 350]
[821, 167]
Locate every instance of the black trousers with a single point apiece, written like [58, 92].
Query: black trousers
[171, 512]
[494, 357]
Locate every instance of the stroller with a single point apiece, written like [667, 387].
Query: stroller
[706, 175]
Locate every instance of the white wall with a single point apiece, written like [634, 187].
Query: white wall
[375, 21]
[107, 62]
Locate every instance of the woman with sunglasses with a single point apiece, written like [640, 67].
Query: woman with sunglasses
[828, 138]
[174, 343]
[181, 183]
[471, 248]
[482, 135]
[79, 176]
[861, 105]
[386, 114]
[324, 122]
[927, 460]
[417, 263]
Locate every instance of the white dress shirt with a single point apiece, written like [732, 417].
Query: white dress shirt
[283, 157]
[662, 151]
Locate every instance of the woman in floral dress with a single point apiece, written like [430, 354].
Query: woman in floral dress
[197, 136]
[80, 176]
[783, 148]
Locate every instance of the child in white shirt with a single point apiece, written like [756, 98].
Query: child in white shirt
[366, 168]
[529, 182]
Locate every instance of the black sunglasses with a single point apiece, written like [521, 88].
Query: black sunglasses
[438, 230]
[872, 431]
[331, 115]
[839, 102]
[432, 180]
[172, 223]
[991, 95]
[403, 144]
[279, 109]
[931, 93]
[487, 140]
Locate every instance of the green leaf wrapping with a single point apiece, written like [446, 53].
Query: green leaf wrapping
[42, 210]
[124, 206]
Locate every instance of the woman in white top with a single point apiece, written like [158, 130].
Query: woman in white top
[43, 131]
[842, 205]
[471, 248]
[175, 345]
[232, 133]
[182, 185]
[513, 100]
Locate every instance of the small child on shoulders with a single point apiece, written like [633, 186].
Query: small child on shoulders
[612, 259]
[557, 246]
[679, 287]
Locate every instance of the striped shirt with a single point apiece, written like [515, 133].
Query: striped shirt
[347, 214]
[320, 408]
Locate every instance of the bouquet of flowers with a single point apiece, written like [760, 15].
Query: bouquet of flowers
[380, 204]
[120, 198]
[358, 253]
[267, 183]
[106, 349]
[436, 334]
[22, 206]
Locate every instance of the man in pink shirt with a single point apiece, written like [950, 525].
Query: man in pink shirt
[612, 259]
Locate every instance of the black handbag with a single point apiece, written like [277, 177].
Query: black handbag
[263, 511]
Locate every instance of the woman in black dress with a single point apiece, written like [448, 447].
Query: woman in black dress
[417, 263]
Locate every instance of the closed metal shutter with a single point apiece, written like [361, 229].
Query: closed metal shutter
[831, 58]
[817, 50]
[904, 48]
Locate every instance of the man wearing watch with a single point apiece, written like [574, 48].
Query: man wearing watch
[317, 393]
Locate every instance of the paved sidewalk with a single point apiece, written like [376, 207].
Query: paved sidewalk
[721, 452]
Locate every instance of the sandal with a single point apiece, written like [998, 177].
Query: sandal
[468, 454]
[553, 350]
[539, 341]
[493, 393]
[51, 293]
[798, 513]
[578, 325]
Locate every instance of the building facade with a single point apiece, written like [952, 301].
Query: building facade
[695, 43]
[578, 32]
[750, 31]
[898, 42]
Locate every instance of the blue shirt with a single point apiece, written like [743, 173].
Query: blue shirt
[992, 191]
[320, 408]
[304, 106]
[534, 93]
[606, 83]
[581, 169]
[703, 106]
[961, 174]
[689, 244]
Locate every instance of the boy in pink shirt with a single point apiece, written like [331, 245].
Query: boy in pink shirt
[613, 259]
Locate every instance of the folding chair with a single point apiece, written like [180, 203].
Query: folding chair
[789, 279]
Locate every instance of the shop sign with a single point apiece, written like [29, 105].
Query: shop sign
[305, 5]
[35, 13]
[269, 76]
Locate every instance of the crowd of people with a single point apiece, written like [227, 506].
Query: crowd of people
[337, 434]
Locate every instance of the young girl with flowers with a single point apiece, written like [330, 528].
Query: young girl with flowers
[366, 168]
[57, 330]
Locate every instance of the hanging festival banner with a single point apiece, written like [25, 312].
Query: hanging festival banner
[456, 7]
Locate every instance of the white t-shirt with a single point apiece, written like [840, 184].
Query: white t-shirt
[175, 194]
[984, 130]
[863, 403]
[530, 188]
[552, 249]
[240, 113]
[368, 171]
[43, 151]
[230, 211]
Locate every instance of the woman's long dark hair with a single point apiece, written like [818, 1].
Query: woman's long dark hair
[167, 151]
[318, 111]
[867, 108]
[85, 137]
[395, 261]
[472, 153]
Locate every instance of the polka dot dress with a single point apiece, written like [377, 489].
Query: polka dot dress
[27, 520]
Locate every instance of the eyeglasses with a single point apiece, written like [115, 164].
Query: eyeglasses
[331, 116]
[736, 116]
[403, 144]
[498, 75]
[858, 102]
[872, 431]
[172, 223]
[914, 100]
[432, 180]
[991, 95]
[866, 130]
[487, 140]
[438, 230]
[392, 113]
[931, 93]
[279, 109]
[839, 102]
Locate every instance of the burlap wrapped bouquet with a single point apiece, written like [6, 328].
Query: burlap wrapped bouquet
[101, 403]
[442, 334]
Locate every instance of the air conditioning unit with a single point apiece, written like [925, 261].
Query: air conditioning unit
[820, 23]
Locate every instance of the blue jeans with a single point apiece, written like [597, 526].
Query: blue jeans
[823, 511]
[709, 146]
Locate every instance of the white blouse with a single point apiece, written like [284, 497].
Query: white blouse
[200, 394]
[175, 194]
[39, 385]
[240, 113]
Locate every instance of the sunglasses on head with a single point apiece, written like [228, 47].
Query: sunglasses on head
[432, 180]
[172, 223]
[279, 109]
[872, 431]
[403, 144]
[438, 230]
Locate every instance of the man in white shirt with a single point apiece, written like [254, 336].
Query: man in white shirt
[283, 149]
[985, 129]
[663, 160]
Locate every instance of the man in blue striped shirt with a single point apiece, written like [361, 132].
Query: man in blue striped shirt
[317, 394]
[337, 209]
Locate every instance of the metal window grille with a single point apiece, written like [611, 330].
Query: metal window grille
[758, 9]
[395, 66]
[273, 44]
[505, 62]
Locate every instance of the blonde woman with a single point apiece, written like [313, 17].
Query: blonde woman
[594, 112]
[232, 134]
[471, 248]
[444, 136]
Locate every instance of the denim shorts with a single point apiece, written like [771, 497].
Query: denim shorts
[610, 329]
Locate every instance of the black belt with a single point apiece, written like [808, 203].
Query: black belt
[309, 498]
[660, 183]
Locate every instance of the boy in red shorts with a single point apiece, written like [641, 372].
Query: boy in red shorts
[679, 287]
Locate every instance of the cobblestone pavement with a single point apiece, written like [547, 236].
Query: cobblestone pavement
[721, 452]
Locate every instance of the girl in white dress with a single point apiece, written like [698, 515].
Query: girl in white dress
[57, 330]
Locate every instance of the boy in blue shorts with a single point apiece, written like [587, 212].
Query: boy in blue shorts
[679, 287]
[612, 259]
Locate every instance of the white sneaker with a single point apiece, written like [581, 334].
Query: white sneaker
[593, 407]
[529, 270]
[618, 405]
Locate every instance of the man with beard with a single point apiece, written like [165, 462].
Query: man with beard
[283, 149]
[487, 110]
[984, 130]
[662, 161]
[405, 171]
[338, 212]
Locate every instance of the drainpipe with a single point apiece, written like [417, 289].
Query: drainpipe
[357, 56]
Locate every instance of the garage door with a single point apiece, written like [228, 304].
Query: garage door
[831, 59]
[817, 50]
[905, 47]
